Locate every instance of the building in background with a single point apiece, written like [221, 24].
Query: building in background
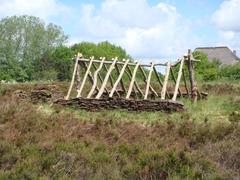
[225, 55]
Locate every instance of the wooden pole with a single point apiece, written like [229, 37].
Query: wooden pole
[73, 76]
[85, 77]
[185, 82]
[132, 81]
[95, 76]
[78, 76]
[106, 79]
[135, 83]
[119, 78]
[178, 80]
[148, 81]
[191, 76]
[159, 80]
[145, 80]
[110, 77]
[122, 63]
[164, 89]
[175, 81]
[121, 81]
[100, 77]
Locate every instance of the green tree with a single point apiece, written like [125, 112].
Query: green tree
[230, 71]
[206, 70]
[103, 49]
[26, 44]
[63, 62]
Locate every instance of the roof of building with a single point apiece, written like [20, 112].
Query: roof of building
[222, 53]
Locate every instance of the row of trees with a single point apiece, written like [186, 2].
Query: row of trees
[31, 50]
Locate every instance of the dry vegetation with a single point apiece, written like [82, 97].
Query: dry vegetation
[41, 141]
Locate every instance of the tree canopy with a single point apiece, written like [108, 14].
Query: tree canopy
[25, 46]
[33, 50]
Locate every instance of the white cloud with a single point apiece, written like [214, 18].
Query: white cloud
[143, 30]
[41, 8]
[227, 16]
[226, 19]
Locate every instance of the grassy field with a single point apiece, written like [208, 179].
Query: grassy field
[39, 141]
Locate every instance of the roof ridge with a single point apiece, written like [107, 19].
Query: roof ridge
[213, 47]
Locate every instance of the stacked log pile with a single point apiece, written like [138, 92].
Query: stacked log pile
[120, 103]
[42, 96]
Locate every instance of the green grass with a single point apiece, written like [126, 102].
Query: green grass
[45, 142]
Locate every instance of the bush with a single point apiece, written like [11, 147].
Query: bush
[230, 71]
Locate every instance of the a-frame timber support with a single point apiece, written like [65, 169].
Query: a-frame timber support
[142, 85]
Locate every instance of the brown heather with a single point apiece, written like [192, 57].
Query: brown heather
[39, 141]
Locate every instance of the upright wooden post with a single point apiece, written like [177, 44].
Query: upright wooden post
[119, 78]
[78, 76]
[132, 80]
[85, 77]
[164, 89]
[73, 76]
[178, 80]
[148, 81]
[106, 78]
[192, 80]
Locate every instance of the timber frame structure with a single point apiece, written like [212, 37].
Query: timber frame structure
[110, 84]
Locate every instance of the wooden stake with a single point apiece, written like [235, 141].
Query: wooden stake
[110, 77]
[132, 81]
[148, 81]
[100, 78]
[85, 77]
[191, 76]
[145, 80]
[135, 83]
[73, 76]
[121, 81]
[175, 81]
[119, 78]
[178, 80]
[78, 76]
[159, 80]
[185, 82]
[95, 76]
[164, 89]
[106, 79]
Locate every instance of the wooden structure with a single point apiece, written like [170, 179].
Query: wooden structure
[99, 80]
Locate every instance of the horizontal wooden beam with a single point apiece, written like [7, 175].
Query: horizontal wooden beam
[122, 63]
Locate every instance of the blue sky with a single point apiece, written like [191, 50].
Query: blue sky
[145, 28]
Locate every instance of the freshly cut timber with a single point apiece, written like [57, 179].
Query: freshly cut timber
[130, 85]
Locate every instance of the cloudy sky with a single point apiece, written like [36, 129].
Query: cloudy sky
[145, 28]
